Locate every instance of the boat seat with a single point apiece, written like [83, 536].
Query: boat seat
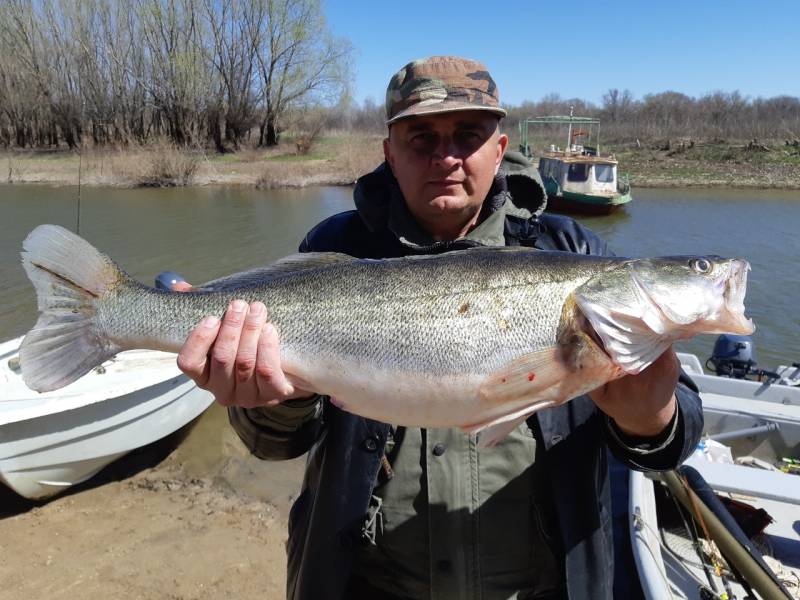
[748, 481]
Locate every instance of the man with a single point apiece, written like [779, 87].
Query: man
[396, 512]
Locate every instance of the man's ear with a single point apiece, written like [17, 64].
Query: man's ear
[502, 144]
[387, 153]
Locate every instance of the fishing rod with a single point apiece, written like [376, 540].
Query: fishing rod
[80, 160]
[741, 557]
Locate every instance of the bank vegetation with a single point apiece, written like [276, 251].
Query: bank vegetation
[196, 72]
[177, 92]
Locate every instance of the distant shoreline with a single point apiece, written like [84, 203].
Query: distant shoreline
[340, 159]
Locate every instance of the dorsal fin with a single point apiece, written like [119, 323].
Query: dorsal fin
[294, 263]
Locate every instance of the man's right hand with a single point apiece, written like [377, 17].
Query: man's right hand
[238, 359]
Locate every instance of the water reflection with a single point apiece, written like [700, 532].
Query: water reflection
[201, 233]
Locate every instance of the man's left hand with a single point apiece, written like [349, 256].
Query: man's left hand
[642, 405]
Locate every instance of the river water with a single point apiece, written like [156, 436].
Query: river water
[204, 233]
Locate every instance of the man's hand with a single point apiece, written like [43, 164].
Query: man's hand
[642, 405]
[237, 359]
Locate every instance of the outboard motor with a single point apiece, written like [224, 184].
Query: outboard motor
[733, 356]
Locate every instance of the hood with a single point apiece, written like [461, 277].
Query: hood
[527, 194]
[517, 185]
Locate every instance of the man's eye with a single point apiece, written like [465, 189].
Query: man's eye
[468, 139]
[423, 140]
[421, 137]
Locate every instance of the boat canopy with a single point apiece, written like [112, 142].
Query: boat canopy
[578, 127]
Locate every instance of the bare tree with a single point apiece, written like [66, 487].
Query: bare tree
[235, 30]
[300, 62]
[178, 80]
[617, 105]
[200, 71]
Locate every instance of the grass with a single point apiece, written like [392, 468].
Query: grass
[297, 157]
[736, 164]
[225, 158]
[340, 163]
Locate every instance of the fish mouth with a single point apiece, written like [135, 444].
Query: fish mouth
[732, 317]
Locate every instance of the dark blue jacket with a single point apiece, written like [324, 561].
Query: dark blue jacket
[344, 450]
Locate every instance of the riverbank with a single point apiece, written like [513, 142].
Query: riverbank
[686, 163]
[340, 159]
[335, 160]
[207, 521]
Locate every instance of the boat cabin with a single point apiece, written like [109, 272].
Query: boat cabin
[579, 174]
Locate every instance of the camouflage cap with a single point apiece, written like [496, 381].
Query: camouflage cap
[441, 84]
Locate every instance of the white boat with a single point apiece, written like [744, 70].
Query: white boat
[759, 423]
[51, 441]
[769, 408]
[577, 179]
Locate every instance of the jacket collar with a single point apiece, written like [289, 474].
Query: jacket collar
[517, 190]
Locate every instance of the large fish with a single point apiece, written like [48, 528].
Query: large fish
[473, 338]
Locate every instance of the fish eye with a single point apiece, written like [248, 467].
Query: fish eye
[701, 265]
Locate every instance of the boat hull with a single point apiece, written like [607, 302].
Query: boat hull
[585, 204]
[732, 407]
[49, 443]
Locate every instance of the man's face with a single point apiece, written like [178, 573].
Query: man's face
[445, 165]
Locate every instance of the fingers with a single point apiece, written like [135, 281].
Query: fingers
[238, 359]
[221, 379]
[666, 367]
[642, 404]
[246, 390]
[193, 357]
[270, 378]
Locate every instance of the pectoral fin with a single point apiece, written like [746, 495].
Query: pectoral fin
[490, 436]
[528, 376]
[628, 338]
[541, 380]
[632, 327]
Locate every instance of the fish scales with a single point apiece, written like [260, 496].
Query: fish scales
[477, 338]
[466, 311]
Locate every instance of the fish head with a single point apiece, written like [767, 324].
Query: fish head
[694, 294]
[639, 307]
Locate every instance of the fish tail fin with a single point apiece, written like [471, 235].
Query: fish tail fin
[70, 277]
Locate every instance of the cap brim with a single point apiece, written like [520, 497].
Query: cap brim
[443, 107]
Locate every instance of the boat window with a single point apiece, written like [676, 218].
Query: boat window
[578, 172]
[604, 173]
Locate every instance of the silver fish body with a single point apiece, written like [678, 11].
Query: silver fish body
[470, 338]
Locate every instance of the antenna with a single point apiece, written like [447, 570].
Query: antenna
[569, 131]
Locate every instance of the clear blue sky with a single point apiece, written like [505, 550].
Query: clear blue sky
[581, 49]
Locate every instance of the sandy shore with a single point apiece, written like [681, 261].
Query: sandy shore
[205, 521]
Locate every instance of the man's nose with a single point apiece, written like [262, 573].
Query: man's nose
[446, 151]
